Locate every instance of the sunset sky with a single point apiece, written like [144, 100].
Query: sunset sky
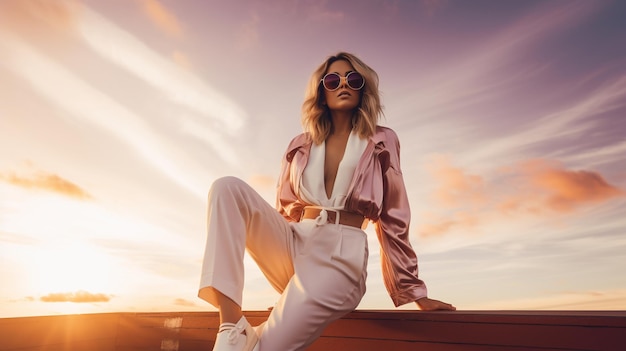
[116, 116]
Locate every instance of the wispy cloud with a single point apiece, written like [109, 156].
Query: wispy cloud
[565, 300]
[24, 15]
[178, 85]
[213, 137]
[76, 297]
[46, 181]
[15, 238]
[162, 17]
[498, 67]
[262, 181]
[249, 35]
[456, 85]
[56, 83]
[505, 106]
[531, 188]
[194, 99]
[181, 59]
[184, 302]
[569, 122]
[564, 190]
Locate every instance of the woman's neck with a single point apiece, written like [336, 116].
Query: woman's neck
[342, 122]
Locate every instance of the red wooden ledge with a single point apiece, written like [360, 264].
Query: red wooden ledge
[359, 330]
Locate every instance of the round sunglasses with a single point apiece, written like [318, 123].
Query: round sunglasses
[332, 81]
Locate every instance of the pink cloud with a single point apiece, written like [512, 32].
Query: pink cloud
[454, 185]
[184, 302]
[77, 297]
[433, 225]
[262, 181]
[162, 17]
[565, 189]
[532, 188]
[27, 16]
[46, 181]
[181, 59]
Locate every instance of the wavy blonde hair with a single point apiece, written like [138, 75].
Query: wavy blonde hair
[316, 115]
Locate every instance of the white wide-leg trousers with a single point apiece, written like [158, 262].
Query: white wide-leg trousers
[320, 270]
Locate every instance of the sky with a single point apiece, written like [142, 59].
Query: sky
[116, 117]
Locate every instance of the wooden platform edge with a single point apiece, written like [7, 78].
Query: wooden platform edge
[362, 330]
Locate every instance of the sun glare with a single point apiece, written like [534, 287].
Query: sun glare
[69, 267]
[58, 256]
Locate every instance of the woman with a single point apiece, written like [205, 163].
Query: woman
[342, 172]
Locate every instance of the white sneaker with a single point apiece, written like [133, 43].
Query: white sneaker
[236, 337]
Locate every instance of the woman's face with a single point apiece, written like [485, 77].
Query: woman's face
[344, 98]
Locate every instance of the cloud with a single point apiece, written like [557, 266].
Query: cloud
[538, 187]
[433, 224]
[183, 88]
[454, 185]
[76, 297]
[181, 59]
[573, 122]
[262, 181]
[29, 15]
[46, 181]
[544, 187]
[248, 35]
[14, 237]
[565, 190]
[566, 300]
[183, 302]
[493, 66]
[88, 104]
[195, 102]
[163, 18]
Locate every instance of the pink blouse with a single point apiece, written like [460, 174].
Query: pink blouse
[377, 192]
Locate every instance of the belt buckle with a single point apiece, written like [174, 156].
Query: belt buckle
[337, 216]
[324, 217]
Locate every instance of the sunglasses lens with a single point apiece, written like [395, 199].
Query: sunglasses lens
[332, 81]
[355, 80]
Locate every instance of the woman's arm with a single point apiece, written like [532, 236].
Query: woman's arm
[399, 261]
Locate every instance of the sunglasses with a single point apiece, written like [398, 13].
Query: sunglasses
[332, 81]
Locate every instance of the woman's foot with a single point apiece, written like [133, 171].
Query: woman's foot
[236, 337]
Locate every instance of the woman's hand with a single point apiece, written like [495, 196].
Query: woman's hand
[426, 304]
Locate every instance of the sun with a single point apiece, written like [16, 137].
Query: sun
[66, 255]
[58, 252]
[70, 267]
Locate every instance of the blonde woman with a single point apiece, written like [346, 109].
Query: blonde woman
[340, 174]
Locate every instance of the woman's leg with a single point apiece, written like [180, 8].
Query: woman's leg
[230, 311]
[238, 217]
[329, 281]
